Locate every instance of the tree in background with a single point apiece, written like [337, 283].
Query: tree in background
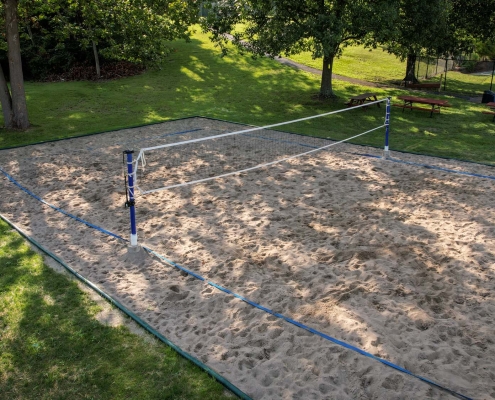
[323, 27]
[61, 32]
[138, 31]
[472, 20]
[486, 50]
[440, 28]
[13, 100]
[422, 28]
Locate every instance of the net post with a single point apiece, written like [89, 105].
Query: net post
[386, 152]
[130, 202]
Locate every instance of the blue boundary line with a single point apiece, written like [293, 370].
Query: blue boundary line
[389, 159]
[75, 217]
[453, 171]
[131, 315]
[244, 299]
[161, 136]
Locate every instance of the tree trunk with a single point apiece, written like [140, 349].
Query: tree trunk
[411, 69]
[5, 100]
[19, 108]
[326, 77]
[97, 60]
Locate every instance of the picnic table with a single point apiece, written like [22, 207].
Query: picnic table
[361, 99]
[491, 104]
[409, 102]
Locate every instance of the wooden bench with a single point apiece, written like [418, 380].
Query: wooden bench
[361, 99]
[403, 106]
[435, 104]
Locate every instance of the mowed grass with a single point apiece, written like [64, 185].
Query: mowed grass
[52, 347]
[195, 80]
[379, 66]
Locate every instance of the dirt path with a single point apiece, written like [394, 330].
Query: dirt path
[291, 63]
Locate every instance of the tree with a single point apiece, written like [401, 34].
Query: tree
[472, 20]
[323, 27]
[422, 27]
[13, 101]
[132, 30]
[439, 28]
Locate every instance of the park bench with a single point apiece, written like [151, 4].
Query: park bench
[410, 107]
[361, 99]
[410, 100]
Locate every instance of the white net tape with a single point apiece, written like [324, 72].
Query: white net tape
[202, 159]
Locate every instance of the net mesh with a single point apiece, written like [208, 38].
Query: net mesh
[200, 156]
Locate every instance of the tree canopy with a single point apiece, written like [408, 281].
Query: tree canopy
[405, 28]
[440, 28]
[139, 31]
[323, 27]
[52, 35]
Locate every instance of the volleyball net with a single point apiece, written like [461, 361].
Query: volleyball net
[204, 157]
[201, 156]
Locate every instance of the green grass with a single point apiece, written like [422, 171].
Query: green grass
[52, 347]
[197, 81]
[360, 63]
[381, 67]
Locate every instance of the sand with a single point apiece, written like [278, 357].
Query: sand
[393, 258]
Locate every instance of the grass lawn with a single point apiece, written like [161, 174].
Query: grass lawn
[50, 344]
[197, 81]
[379, 66]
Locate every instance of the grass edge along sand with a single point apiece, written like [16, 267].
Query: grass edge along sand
[197, 81]
[52, 344]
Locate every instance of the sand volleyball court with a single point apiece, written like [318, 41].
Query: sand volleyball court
[389, 257]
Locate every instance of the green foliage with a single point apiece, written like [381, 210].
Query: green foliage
[470, 64]
[485, 49]
[421, 26]
[472, 20]
[55, 34]
[323, 28]
[439, 28]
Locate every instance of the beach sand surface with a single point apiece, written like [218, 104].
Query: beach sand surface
[389, 257]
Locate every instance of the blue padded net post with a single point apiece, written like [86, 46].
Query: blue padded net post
[130, 196]
[386, 152]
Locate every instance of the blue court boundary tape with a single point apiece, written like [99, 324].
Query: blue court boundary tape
[242, 298]
[160, 136]
[109, 298]
[453, 171]
[396, 160]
